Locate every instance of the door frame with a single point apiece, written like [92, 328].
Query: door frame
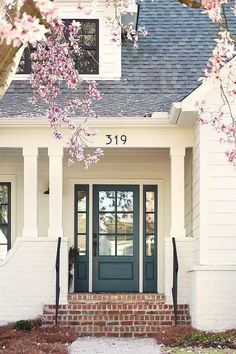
[119, 259]
[160, 223]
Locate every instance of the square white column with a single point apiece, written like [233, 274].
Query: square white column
[30, 228]
[55, 191]
[177, 192]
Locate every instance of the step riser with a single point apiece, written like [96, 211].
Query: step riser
[119, 315]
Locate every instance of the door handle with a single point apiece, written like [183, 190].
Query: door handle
[95, 236]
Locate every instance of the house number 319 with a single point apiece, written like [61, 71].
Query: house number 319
[116, 139]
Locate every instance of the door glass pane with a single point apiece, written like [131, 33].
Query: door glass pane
[125, 245]
[3, 251]
[107, 223]
[81, 223]
[82, 245]
[150, 198]
[3, 194]
[107, 246]
[150, 226]
[3, 214]
[150, 245]
[82, 201]
[3, 233]
[125, 201]
[125, 223]
[107, 201]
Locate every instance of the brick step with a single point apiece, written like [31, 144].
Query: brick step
[116, 297]
[120, 315]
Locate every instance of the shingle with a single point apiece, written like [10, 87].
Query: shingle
[165, 69]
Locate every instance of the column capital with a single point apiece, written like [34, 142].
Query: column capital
[177, 151]
[30, 151]
[55, 150]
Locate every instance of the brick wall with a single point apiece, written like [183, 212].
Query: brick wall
[119, 315]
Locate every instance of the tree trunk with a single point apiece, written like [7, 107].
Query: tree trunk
[10, 56]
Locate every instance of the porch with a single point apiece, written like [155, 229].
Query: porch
[43, 208]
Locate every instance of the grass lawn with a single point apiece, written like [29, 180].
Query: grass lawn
[198, 351]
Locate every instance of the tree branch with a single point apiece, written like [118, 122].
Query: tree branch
[191, 3]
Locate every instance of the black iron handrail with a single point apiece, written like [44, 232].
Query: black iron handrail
[175, 279]
[57, 278]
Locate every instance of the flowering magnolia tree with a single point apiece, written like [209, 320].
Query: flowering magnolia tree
[36, 23]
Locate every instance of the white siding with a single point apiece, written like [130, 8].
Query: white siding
[222, 203]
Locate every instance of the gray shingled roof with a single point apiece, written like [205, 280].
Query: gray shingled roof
[163, 70]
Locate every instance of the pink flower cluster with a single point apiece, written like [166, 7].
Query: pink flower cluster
[223, 73]
[24, 30]
[114, 23]
[213, 8]
[222, 53]
[53, 67]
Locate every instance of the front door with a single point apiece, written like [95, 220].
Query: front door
[115, 238]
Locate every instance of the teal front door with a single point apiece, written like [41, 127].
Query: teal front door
[116, 238]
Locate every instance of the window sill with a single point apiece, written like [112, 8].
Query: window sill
[26, 77]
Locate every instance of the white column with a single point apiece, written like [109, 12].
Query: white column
[55, 191]
[30, 228]
[177, 192]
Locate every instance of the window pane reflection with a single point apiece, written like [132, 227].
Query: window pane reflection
[150, 198]
[82, 201]
[3, 194]
[107, 201]
[150, 223]
[3, 233]
[82, 245]
[81, 223]
[150, 245]
[107, 223]
[125, 223]
[125, 201]
[3, 214]
[107, 245]
[125, 245]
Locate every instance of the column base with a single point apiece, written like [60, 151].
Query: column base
[212, 297]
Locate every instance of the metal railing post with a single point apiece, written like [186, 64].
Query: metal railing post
[57, 278]
[175, 279]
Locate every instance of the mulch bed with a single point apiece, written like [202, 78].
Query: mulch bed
[190, 337]
[53, 340]
[170, 335]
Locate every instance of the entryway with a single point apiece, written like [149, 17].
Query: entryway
[124, 227]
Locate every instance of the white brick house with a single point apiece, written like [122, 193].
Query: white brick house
[162, 176]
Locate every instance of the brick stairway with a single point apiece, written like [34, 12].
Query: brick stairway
[120, 315]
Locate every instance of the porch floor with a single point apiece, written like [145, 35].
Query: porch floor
[116, 314]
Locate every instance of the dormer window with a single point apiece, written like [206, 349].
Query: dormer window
[87, 60]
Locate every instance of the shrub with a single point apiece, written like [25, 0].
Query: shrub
[23, 325]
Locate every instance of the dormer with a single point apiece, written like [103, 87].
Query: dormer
[101, 56]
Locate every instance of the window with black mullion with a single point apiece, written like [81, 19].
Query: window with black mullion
[5, 225]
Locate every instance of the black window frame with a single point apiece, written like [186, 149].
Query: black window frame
[8, 184]
[26, 54]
